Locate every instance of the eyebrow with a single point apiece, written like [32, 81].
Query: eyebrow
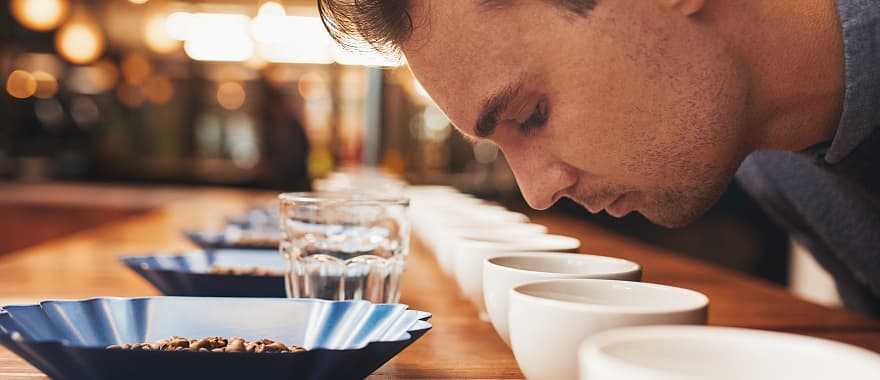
[494, 4]
[495, 106]
[579, 7]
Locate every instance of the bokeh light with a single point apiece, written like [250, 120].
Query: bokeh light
[419, 90]
[435, 125]
[292, 39]
[84, 111]
[93, 79]
[281, 74]
[21, 84]
[313, 85]
[49, 112]
[485, 151]
[156, 35]
[271, 8]
[177, 25]
[130, 96]
[242, 141]
[138, 2]
[219, 37]
[47, 85]
[79, 42]
[159, 89]
[39, 15]
[136, 68]
[256, 63]
[47, 62]
[108, 72]
[230, 95]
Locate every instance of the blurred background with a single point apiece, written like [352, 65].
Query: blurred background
[255, 94]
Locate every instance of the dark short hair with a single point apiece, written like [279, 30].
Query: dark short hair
[385, 25]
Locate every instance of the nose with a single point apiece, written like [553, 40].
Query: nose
[540, 176]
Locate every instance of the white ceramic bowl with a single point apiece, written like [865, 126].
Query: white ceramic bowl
[470, 254]
[430, 189]
[438, 238]
[466, 216]
[448, 240]
[453, 235]
[425, 210]
[549, 319]
[501, 274]
[498, 232]
[720, 353]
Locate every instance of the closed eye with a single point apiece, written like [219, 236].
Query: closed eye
[537, 119]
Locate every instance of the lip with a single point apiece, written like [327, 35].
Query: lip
[594, 208]
[620, 207]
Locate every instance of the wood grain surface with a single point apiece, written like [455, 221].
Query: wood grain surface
[85, 264]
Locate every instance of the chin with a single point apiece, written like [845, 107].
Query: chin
[681, 207]
[671, 223]
[675, 216]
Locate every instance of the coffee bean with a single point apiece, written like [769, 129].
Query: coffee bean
[277, 347]
[244, 271]
[236, 345]
[196, 345]
[209, 344]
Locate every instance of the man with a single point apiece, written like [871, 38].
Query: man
[653, 105]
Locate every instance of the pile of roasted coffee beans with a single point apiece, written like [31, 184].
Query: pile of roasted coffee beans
[255, 239]
[210, 344]
[244, 271]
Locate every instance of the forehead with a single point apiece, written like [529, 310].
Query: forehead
[461, 53]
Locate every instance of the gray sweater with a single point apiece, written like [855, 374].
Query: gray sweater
[828, 198]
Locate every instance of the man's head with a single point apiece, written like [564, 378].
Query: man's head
[624, 105]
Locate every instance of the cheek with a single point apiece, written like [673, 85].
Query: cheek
[642, 112]
[692, 128]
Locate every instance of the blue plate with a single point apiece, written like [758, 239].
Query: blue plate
[188, 274]
[345, 339]
[221, 240]
[265, 218]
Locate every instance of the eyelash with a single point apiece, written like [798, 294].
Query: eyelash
[537, 119]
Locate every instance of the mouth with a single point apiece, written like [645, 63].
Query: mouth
[621, 206]
[615, 205]
[595, 206]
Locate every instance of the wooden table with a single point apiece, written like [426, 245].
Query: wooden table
[460, 346]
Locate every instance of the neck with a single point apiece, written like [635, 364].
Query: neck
[793, 53]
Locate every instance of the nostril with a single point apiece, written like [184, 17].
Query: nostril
[540, 195]
[539, 203]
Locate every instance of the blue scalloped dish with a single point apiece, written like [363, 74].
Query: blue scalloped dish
[227, 239]
[345, 339]
[257, 218]
[189, 274]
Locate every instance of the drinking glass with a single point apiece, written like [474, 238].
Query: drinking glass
[343, 246]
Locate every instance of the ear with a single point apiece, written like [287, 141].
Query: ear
[685, 7]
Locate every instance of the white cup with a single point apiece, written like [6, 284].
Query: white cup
[514, 231]
[720, 353]
[498, 232]
[426, 209]
[430, 189]
[503, 273]
[448, 239]
[470, 254]
[435, 227]
[549, 319]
